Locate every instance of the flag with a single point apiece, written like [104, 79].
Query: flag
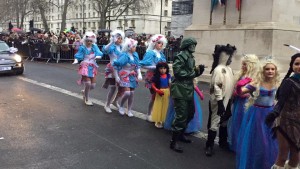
[214, 3]
[238, 4]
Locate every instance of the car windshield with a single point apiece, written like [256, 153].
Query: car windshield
[3, 47]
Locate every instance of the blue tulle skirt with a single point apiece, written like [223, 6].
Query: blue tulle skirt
[256, 149]
[234, 123]
[194, 125]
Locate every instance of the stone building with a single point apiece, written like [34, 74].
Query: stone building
[263, 29]
[82, 14]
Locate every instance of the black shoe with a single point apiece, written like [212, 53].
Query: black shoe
[209, 151]
[174, 146]
[224, 146]
[173, 143]
[184, 139]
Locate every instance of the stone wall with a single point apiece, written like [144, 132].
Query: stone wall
[266, 26]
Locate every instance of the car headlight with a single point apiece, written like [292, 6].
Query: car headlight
[18, 58]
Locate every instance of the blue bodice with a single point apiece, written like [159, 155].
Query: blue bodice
[150, 58]
[266, 97]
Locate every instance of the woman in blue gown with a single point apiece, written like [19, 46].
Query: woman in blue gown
[256, 149]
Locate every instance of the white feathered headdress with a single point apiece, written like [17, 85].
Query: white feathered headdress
[118, 33]
[157, 38]
[89, 36]
[128, 44]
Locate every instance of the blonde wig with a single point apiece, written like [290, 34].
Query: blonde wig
[252, 66]
[260, 78]
[157, 38]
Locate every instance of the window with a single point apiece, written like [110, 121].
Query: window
[94, 25]
[182, 8]
[125, 23]
[58, 16]
[168, 24]
[120, 23]
[133, 12]
[89, 15]
[132, 23]
[89, 6]
[93, 14]
[89, 24]
[166, 2]
[77, 15]
[166, 13]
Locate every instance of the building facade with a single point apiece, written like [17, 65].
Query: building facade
[182, 13]
[261, 28]
[81, 14]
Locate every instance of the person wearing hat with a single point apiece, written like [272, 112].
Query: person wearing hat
[182, 91]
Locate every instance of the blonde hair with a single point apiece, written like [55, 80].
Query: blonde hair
[252, 64]
[260, 78]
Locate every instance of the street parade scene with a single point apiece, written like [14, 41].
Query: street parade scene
[158, 84]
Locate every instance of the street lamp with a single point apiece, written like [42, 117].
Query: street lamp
[160, 16]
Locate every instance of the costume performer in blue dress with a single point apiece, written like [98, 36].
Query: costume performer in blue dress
[129, 73]
[113, 49]
[195, 125]
[255, 147]
[250, 65]
[87, 54]
[153, 55]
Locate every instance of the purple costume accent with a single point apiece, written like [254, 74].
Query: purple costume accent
[256, 148]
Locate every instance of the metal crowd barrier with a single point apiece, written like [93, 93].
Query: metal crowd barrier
[41, 51]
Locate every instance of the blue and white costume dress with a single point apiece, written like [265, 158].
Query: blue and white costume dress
[88, 67]
[234, 123]
[256, 148]
[114, 52]
[151, 58]
[127, 66]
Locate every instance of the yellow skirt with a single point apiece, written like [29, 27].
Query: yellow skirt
[160, 106]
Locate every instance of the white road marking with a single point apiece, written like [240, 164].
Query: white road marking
[137, 114]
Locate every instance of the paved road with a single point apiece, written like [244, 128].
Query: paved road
[44, 124]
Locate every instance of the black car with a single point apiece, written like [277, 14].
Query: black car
[10, 62]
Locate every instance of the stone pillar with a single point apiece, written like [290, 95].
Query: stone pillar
[265, 27]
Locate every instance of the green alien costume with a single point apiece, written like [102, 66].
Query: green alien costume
[182, 89]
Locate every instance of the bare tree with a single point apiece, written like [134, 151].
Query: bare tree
[65, 6]
[23, 11]
[14, 9]
[104, 7]
[5, 12]
[41, 6]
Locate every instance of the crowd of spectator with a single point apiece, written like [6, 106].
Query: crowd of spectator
[51, 45]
